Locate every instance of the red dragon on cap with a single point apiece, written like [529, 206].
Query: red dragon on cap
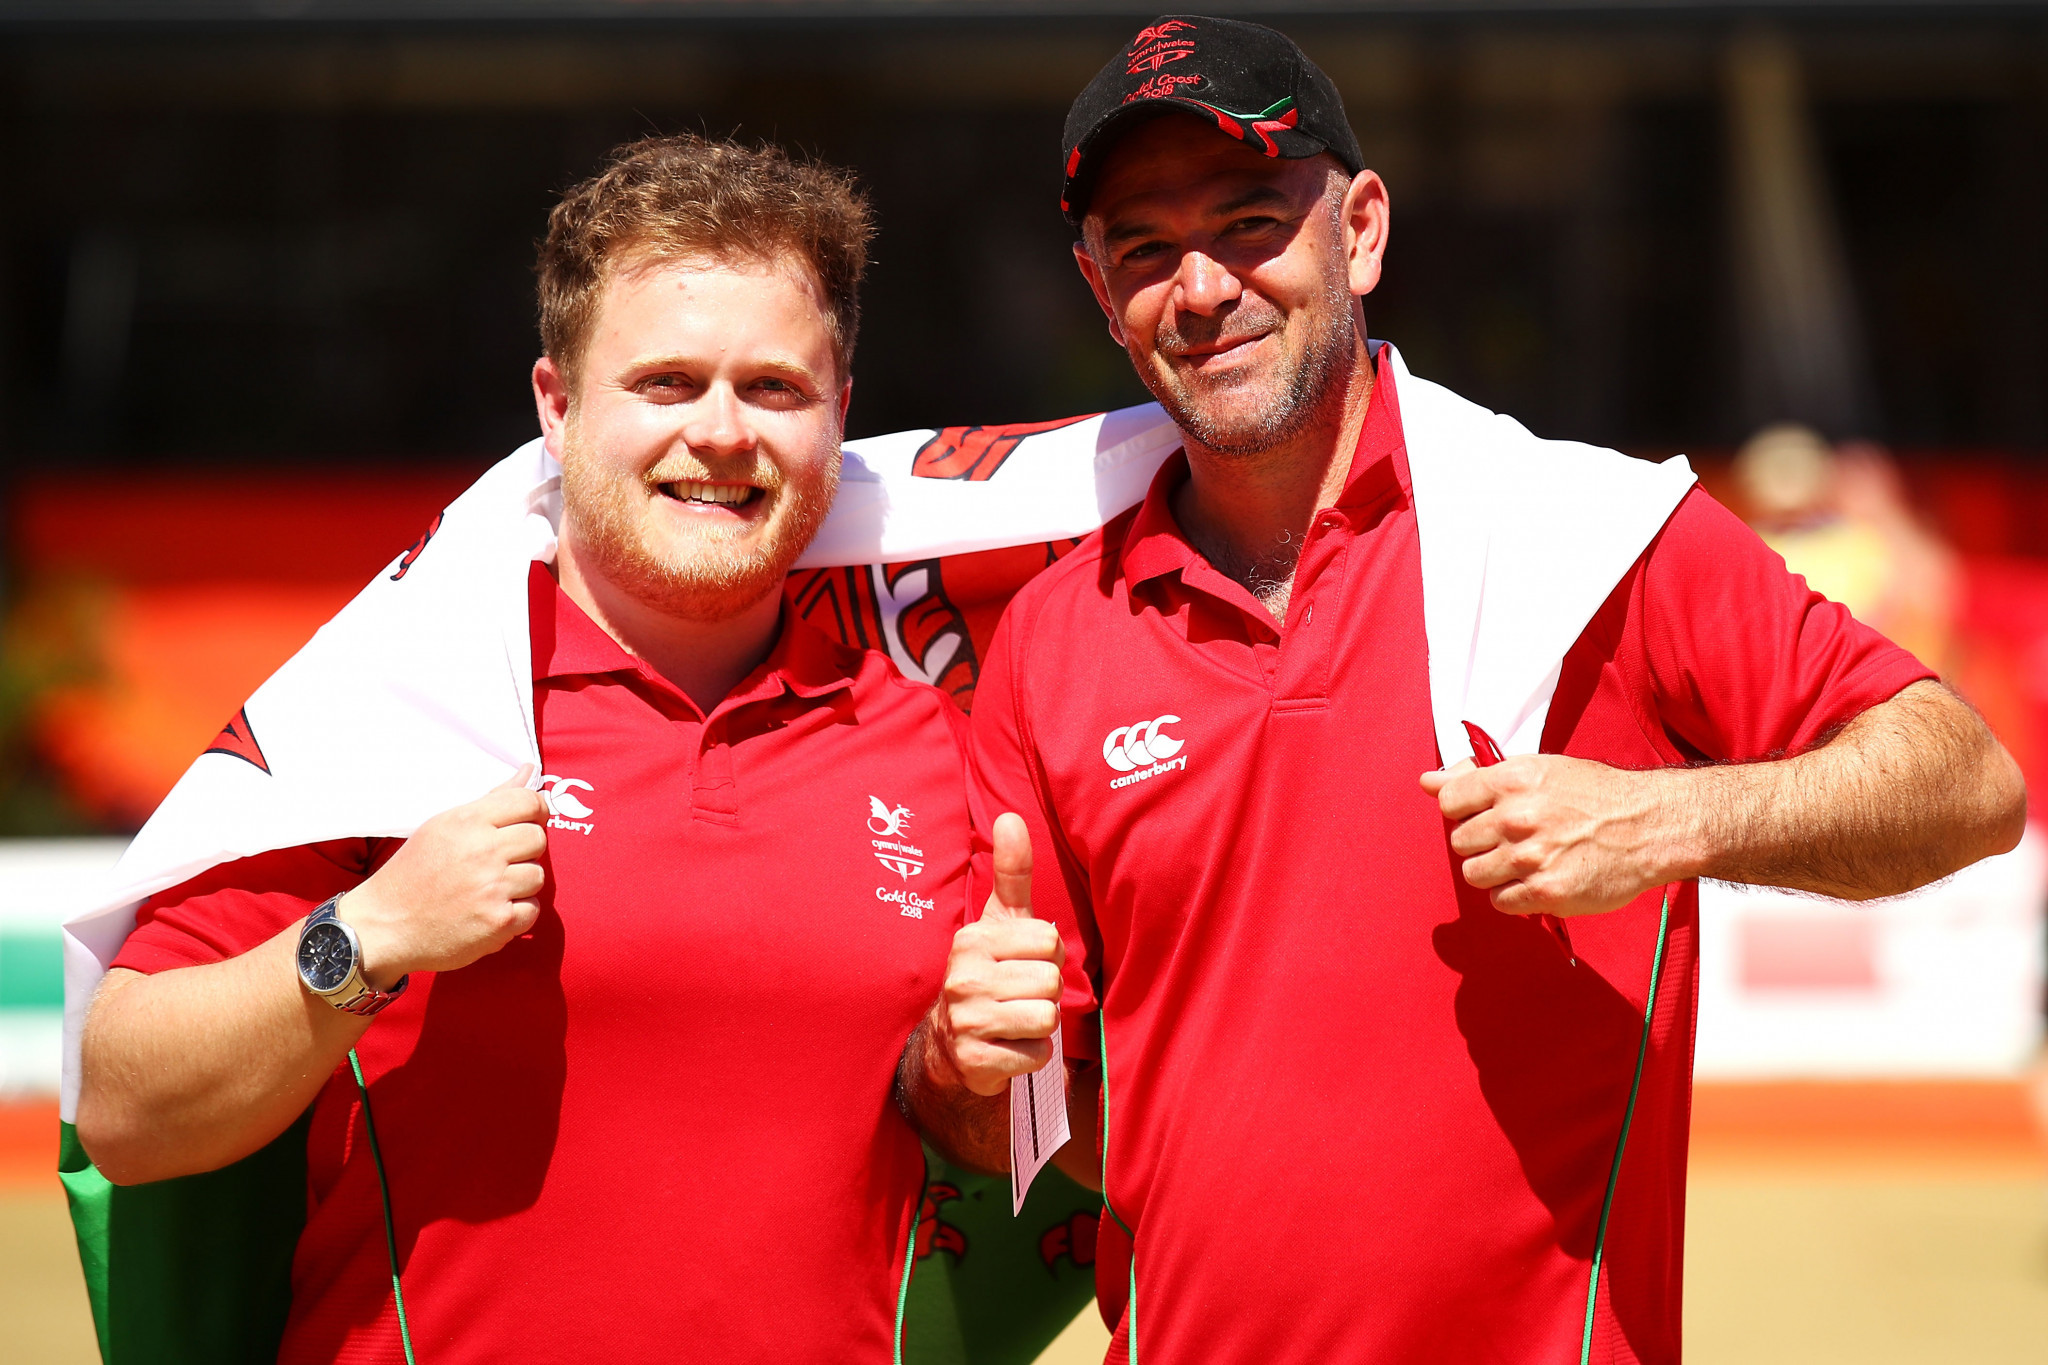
[1154, 47]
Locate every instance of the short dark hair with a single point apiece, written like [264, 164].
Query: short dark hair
[683, 196]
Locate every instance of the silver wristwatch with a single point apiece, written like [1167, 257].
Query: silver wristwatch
[330, 960]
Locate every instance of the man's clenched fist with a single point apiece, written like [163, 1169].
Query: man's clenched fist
[1550, 835]
[1001, 1001]
[461, 888]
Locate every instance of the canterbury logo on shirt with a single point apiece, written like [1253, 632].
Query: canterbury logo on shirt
[558, 793]
[1143, 750]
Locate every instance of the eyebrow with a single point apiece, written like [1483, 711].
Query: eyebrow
[793, 370]
[654, 364]
[1255, 197]
[1258, 196]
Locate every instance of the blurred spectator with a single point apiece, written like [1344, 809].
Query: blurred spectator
[1843, 517]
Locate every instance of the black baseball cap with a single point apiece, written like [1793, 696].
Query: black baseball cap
[1252, 81]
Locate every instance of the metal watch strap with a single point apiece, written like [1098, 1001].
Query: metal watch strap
[366, 1000]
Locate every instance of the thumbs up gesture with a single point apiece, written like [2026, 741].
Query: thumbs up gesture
[1001, 1000]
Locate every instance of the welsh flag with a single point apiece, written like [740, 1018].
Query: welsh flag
[932, 533]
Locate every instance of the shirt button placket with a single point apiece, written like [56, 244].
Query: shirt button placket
[1305, 658]
[714, 794]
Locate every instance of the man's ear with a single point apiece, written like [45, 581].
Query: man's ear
[551, 402]
[1367, 218]
[1092, 273]
[845, 401]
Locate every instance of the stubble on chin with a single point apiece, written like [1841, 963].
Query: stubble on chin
[1247, 415]
[705, 578]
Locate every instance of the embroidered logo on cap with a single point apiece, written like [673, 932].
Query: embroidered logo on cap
[1161, 87]
[1154, 47]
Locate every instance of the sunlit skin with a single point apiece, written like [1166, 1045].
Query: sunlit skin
[1211, 261]
[712, 378]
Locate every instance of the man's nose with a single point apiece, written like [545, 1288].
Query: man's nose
[1204, 284]
[718, 424]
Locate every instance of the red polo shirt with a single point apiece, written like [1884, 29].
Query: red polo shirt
[1353, 1112]
[661, 1124]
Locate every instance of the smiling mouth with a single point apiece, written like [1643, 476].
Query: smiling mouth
[1195, 355]
[692, 493]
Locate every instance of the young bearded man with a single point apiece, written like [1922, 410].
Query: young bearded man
[1388, 1072]
[629, 1040]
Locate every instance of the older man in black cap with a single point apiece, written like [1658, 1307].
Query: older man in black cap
[1387, 1073]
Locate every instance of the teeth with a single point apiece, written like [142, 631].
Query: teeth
[724, 493]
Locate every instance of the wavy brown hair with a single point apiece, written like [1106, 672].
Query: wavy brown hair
[685, 196]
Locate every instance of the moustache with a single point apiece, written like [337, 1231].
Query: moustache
[1248, 320]
[760, 474]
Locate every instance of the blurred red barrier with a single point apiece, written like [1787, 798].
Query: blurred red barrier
[254, 526]
[155, 604]
[28, 1143]
[1835, 1124]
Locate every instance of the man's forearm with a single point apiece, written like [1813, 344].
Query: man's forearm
[1910, 791]
[969, 1130]
[973, 1131]
[190, 1069]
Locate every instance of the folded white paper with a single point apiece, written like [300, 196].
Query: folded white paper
[1038, 1122]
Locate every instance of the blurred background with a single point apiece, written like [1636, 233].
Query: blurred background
[265, 305]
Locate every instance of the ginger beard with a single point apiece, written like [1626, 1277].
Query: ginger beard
[703, 573]
[1253, 409]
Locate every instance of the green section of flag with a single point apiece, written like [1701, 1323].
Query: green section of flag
[194, 1271]
[992, 1289]
[31, 969]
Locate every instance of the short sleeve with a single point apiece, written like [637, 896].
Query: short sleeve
[229, 909]
[1003, 776]
[1744, 660]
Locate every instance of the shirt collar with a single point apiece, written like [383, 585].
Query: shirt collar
[567, 643]
[1155, 545]
[804, 660]
[1379, 463]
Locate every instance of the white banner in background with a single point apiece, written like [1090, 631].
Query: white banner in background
[1945, 982]
[43, 882]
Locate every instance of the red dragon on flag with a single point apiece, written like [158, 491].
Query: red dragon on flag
[933, 1232]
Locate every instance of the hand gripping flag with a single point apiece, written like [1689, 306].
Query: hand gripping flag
[418, 694]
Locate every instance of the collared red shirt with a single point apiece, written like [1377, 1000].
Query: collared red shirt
[1353, 1112]
[662, 1121]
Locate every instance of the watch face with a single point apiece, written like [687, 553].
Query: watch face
[326, 957]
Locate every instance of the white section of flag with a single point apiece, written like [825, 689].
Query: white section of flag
[1038, 1122]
